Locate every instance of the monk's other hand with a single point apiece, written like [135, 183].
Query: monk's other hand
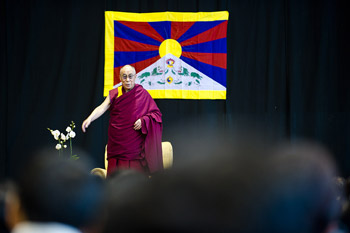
[85, 124]
[137, 124]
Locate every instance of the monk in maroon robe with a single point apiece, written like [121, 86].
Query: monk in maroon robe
[135, 126]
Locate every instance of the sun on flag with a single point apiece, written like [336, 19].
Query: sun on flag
[177, 55]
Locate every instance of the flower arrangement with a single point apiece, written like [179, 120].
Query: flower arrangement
[63, 138]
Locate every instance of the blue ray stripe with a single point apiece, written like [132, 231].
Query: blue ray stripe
[216, 73]
[124, 58]
[214, 46]
[125, 32]
[198, 28]
[163, 28]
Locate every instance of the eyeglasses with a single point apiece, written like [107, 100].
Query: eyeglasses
[130, 76]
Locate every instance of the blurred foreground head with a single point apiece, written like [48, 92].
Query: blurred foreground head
[56, 189]
[237, 184]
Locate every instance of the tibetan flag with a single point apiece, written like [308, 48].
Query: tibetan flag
[176, 55]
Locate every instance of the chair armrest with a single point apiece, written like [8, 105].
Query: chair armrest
[167, 149]
[99, 172]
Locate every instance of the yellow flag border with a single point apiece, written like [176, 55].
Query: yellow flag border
[111, 16]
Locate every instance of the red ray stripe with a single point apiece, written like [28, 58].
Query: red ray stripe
[144, 28]
[179, 28]
[121, 44]
[217, 32]
[214, 59]
[138, 66]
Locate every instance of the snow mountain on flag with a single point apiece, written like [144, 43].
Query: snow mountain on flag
[170, 72]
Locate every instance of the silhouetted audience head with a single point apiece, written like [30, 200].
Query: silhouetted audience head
[125, 177]
[302, 195]
[237, 185]
[118, 183]
[123, 180]
[56, 189]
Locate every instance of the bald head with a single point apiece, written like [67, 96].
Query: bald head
[127, 67]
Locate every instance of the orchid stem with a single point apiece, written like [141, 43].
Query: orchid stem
[71, 149]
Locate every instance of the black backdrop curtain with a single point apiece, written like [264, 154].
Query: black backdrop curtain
[287, 70]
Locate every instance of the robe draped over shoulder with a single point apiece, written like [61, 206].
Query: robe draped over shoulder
[124, 142]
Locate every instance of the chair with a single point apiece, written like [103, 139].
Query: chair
[167, 150]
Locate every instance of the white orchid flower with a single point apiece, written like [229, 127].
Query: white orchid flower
[72, 134]
[55, 134]
[68, 129]
[58, 146]
[63, 137]
[65, 146]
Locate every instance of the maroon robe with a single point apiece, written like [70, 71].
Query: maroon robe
[129, 145]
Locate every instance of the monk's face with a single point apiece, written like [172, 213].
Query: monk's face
[127, 76]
